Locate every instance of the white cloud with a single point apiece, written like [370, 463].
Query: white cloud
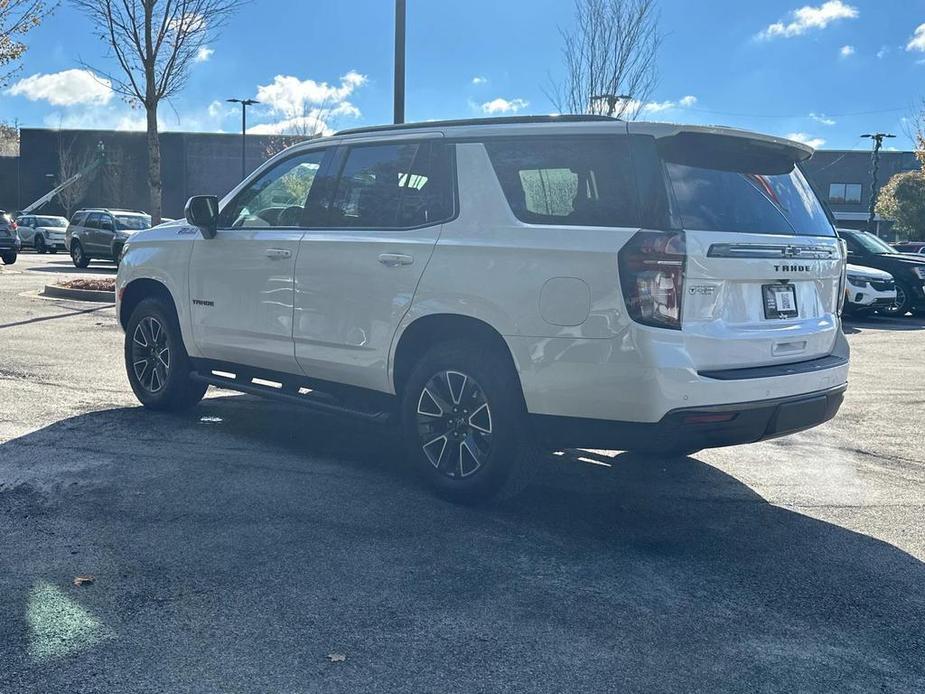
[307, 106]
[66, 88]
[479, 80]
[290, 95]
[846, 51]
[216, 109]
[882, 52]
[500, 105]
[658, 106]
[917, 42]
[688, 101]
[814, 142]
[822, 118]
[203, 54]
[808, 17]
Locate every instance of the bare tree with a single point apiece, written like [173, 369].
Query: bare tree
[311, 122]
[72, 160]
[154, 43]
[17, 18]
[610, 58]
[914, 127]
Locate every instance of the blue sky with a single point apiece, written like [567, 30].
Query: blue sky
[823, 70]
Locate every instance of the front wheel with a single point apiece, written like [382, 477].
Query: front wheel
[464, 423]
[80, 258]
[903, 303]
[156, 361]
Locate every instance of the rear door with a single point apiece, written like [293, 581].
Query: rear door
[764, 266]
[360, 263]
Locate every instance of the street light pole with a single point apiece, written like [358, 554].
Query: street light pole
[399, 96]
[877, 140]
[244, 104]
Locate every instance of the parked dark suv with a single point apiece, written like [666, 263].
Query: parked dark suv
[9, 241]
[907, 269]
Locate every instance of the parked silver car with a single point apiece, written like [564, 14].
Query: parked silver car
[44, 233]
[101, 233]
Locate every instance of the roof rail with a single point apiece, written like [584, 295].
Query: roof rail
[501, 120]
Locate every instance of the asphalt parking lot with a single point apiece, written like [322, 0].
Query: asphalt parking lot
[238, 547]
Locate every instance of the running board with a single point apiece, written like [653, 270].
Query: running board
[311, 399]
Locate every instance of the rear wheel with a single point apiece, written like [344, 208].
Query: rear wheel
[39, 244]
[9, 258]
[464, 423]
[80, 258]
[156, 361]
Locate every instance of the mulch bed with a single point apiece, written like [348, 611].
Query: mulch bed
[97, 285]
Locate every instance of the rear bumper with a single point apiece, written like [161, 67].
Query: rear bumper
[694, 428]
[7, 245]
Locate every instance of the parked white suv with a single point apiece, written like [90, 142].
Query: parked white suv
[506, 284]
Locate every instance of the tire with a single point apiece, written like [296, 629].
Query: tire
[464, 423]
[9, 258]
[903, 302]
[162, 382]
[53, 250]
[80, 258]
[39, 244]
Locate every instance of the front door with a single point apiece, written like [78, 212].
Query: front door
[241, 281]
[361, 259]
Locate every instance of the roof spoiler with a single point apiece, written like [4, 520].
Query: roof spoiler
[730, 152]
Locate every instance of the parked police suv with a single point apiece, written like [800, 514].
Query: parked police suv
[500, 285]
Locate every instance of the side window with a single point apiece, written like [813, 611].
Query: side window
[578, 181]
[370, 185]
[77, 219]
[25, 222]
[106, 223]
[277, 198]
[93, 221]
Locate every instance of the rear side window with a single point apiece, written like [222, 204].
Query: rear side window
[78, 218]
[399, 185]
[578, 181]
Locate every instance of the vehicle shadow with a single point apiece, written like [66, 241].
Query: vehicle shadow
[61, 263]
[852, 325]
[236, 546]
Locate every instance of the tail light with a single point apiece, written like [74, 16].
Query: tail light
[13, 226]
[652, 277]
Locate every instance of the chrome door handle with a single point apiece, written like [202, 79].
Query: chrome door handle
[278, 253]
[395, 259]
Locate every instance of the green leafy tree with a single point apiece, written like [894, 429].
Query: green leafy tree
[902, 200]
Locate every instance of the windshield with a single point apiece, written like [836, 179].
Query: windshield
[718, 200]
[869, 242]
[50, 222]
[133, 222]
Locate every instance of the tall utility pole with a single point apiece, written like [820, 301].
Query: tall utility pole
[399, 61]
[877, 139]
[612, 101]
[244, 104]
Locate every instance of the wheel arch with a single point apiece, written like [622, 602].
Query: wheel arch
[137, 291]
[431, 329]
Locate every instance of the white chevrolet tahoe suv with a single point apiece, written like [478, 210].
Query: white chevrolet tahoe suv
[503, 285]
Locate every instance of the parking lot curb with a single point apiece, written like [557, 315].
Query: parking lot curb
[54, 291]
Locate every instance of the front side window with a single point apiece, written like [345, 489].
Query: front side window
[277, 197]
[398, 185]
[579, 181]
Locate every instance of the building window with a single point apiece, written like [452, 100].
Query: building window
[845, 193]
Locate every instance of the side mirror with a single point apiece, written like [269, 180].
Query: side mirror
[202, 211]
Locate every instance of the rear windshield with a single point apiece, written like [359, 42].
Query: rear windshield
[718, 200]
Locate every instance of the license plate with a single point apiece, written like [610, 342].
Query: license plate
[780, 300]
